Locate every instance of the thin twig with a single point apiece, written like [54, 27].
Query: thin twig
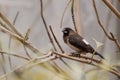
[56, 67]
[56, 39]
[3, 57]
[26, 52]
[110, 6]
[94, 5]
[58, 46]
[22, 66]
[45, 24]
[13, 54]
[9, 25]
[42, 61]
[109, 37]
[26, 38]
[35, 50]
[10, 28]
[78, 25]
[51, 40]
[116, 40]
[2, 60]
[72, 13]
[61, 22]
[10, 38]
[14, 21]
[108, 19]
[10, 62]
[17, 68]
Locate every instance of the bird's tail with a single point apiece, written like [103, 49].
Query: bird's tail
[96, 53]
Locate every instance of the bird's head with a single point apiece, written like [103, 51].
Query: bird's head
[67, 31]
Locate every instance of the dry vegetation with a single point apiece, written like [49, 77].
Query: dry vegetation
[44, 65]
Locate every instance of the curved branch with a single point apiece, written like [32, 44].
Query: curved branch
[111, 37]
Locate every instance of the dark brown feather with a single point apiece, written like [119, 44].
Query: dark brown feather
[77, 41]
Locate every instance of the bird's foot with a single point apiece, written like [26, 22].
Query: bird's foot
[75, 54]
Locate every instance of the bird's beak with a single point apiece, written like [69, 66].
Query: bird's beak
[62, 30]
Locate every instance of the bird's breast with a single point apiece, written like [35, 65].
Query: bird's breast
[72, 47]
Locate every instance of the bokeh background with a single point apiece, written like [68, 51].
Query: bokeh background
[29, 17]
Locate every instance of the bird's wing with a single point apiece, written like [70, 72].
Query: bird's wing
[78, 42]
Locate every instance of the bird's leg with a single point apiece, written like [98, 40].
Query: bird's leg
[72, 54]
[76, 54]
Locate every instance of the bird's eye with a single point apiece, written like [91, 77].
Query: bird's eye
[65, 31]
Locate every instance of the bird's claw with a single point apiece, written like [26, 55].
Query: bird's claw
[75, 54]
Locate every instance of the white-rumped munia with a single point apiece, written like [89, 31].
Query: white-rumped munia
[77, 43]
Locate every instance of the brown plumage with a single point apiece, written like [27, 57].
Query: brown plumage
[76, 42]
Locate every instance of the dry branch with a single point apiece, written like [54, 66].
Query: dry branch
[99, 22]
[45, 24]
[50, 38]
[113, 9]
[56, 39]
[10, 38]
[13, 54]
[78, 21]
[99, 64]
[14, 21]
[35, 50]
[61, 22]
[27, 63]
[59, 46]
[9, 25]
[73, 15]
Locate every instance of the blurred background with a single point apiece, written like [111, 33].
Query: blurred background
[29, 18]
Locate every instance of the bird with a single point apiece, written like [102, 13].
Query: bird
[78, 43]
